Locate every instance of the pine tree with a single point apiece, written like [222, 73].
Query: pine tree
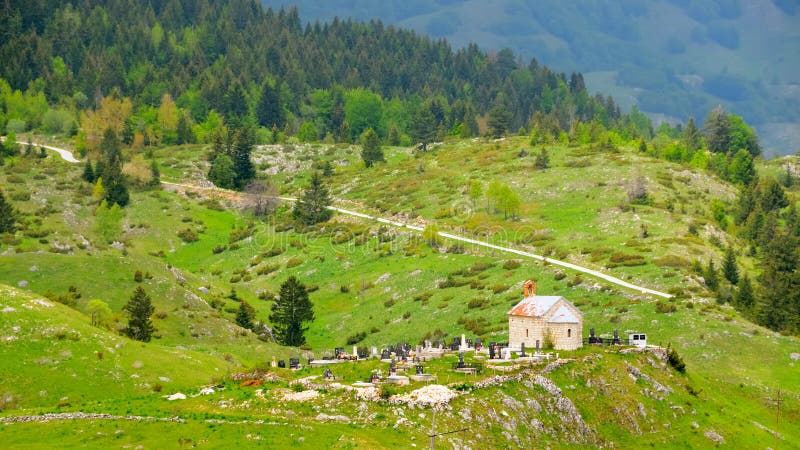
[423, 127]
[745, 298]
[113, 180]
[542, 160]
[312, 207]
[156, 174]
[729, 269]
[242, 164]
[221, 172]
[290, 312]
[718, 130]
[88, 173]
[779, 300]
[691, 135]
[139, 309]
[8, 216]
[183, 131]
[269, 111]
[498, 121]
[245, 316]
[711, 277]
[371, 151]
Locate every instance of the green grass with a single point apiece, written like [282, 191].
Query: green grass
[387, 284]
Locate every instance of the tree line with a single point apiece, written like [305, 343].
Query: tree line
[169, 72]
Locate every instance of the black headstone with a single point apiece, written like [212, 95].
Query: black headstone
[282, 364]
[384, 354]
[522, 353]
[419, 370]
[616, 338]
[294, 363]
[491, 351]
[461, 364]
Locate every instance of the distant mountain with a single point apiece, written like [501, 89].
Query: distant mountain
[674, 58]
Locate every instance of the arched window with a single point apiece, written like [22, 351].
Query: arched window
[569, 332]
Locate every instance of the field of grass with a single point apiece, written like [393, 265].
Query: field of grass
[387, 284]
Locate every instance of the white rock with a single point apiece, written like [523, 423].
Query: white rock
[177, 396]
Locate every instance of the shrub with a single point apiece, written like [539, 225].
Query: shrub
[137, 276]
[665, 308]
[219, 249]
[293, 262]
[386, 391]
[477, 303]
[356, 338]
[675, 360]
[344, 289]
[389, 303]
[188, 235]
[511, 264]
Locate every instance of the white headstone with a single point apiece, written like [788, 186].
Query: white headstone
[355, 351]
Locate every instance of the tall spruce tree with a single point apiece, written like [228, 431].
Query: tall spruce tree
[312, 207]
[729, 268]
[779, 299]
[88, 173]
[423, 126]
[139, 309]
[242, 164]
[269, 111]
[113, 181]
[8, 216]
[745, 297]
[290, 312]
[691, 135]
[371, 151]
[711, 276]
[718, 131]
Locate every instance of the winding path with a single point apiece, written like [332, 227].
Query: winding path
[67, 155]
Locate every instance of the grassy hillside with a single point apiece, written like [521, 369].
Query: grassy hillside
[386, 283]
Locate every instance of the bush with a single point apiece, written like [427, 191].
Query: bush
[675, 360]
[188, 235]
[293, 262]
[511, 264]
[477, 303]
[386, 391]
[356, 338]
[137, 276]
[665, 308]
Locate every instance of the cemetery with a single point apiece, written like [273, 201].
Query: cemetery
[540, 327]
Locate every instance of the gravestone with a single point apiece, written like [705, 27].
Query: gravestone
[282, 364]
[273, 363]
[384, 354]
[469, 342]
[491, 350]
[418, 369]
[616, 338]
[363, 353]
[374, 351]
[461, 363]
[478, 344]
[522, 350]
[294, 363]
[328, 374]
[537, 347]
[393, 368]
[374, 378]
[592, 338]
[338, 351]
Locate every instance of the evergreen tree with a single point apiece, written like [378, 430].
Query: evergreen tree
[242, 164]
[542, 160]
[779, 300]
[729, 269]
[183, 132]
[498, 121]
[312, 207]
[246, 315]
[691, 135]
[423, 127]
[371, 151]
[718, 129]
[113, 180]
[773, 197]
[745, 298]
[711, 277]
[235, 104]
[88, 172]
[393, 136]
[742, 170]
[139, 309]
[470, 126]
[155, 180]
[221, 172]
[269, 111]
[8, 216]
[290, 312]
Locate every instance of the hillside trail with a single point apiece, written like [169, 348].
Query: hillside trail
[68, 156]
